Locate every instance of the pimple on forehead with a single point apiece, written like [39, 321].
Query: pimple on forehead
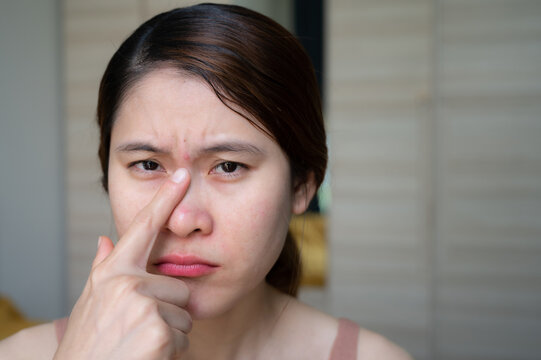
[186, 156]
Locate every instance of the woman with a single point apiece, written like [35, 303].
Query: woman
[211, 138]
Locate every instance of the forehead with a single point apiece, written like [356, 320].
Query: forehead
[173, 106]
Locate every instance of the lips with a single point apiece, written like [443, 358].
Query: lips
[184, 266]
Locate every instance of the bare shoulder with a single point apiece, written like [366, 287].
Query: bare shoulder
[323, 330]
[312, 320]
[38, 342]
[311, 334]
[304, 333]
[374, 346]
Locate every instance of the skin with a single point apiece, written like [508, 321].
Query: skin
[237, 219]
[235, 216]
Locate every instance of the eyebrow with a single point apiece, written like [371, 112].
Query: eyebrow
[140, 146]
[232, 146]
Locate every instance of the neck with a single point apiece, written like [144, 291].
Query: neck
[241, 332]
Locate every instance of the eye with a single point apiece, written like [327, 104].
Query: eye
[229, 169]
[146, 165]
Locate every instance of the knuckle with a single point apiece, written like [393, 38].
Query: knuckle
[188, 323]
[160, 335]
[97, 276]
[148, 307]
[118, 287]
[144, 220]
[182, 292]
[183, 343]
[183, 288]
[182, 295]
[127, 284]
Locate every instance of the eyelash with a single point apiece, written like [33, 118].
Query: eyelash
[142, 163]
[140, 166]
[237, 168]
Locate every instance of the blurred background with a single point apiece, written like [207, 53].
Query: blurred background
[433, 110]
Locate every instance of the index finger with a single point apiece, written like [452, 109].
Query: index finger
[136, 244]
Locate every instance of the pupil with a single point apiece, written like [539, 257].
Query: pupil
[150, 165]
[229, 167]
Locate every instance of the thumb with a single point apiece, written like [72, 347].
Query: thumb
[105, 246]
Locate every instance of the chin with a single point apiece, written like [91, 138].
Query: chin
[200, 312]
[206, 300]
[209, 307]
[206, 303]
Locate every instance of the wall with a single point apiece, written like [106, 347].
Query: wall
[379, 83]
[488, 179]
[31, 194]
[434, 118]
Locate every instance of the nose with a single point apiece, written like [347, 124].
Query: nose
[190, 217]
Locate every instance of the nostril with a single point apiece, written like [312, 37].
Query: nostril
[195, 231]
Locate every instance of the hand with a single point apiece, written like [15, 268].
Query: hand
[125, 312]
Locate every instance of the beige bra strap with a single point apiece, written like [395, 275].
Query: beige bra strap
[60, 326]
[346, 342]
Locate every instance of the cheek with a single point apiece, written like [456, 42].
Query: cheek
[257, 225]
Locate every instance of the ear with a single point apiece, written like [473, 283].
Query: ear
[303, 194]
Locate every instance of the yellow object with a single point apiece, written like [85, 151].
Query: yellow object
[309, 231]
[11, 319]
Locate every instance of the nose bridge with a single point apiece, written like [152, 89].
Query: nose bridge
[191, 214]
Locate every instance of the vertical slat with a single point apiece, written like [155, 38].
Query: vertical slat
[490, 171]
[378, 91]
[92, 32]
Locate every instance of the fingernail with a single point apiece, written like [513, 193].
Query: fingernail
[179, 175]
[99, 241]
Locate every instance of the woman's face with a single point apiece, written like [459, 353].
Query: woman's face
[236, 212]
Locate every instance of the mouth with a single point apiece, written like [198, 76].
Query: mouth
[184, 266]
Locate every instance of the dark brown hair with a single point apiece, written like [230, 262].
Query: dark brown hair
[252, 63]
